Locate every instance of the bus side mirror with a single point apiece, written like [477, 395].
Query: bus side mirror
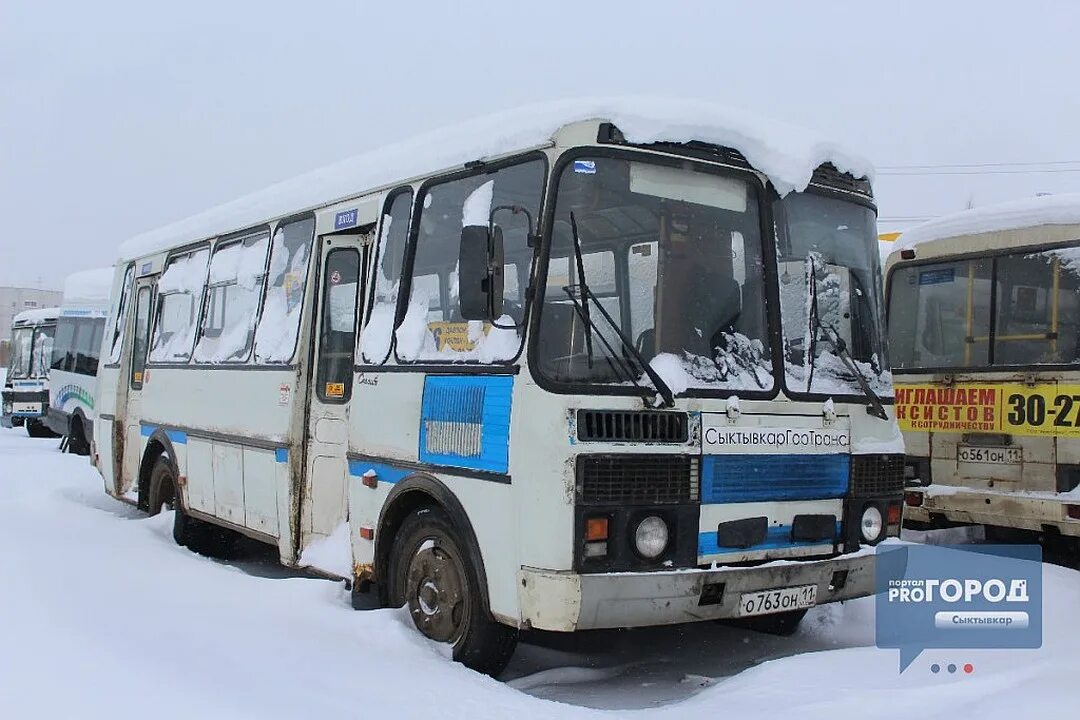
[480, 273]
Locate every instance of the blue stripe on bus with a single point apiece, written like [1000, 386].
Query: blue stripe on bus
[778, 536]
[383, 473]
[281, 455]
[737, 478]
[177, 436]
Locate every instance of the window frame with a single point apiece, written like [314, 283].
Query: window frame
[223, 243]
[151, 288]
[275, 226]
[323, 318]
[159, 299]
[991, 254]
[120, 321]
[760, 193]
[530, 290]
[388, 202]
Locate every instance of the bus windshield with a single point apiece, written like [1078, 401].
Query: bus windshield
[672, 259]
[1011, 309]
[831, 296]
[31, 352]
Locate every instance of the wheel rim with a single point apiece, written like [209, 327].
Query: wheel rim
[435, 592]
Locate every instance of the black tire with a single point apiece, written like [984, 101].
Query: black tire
[196, 535]
[431, 572]
[783, 624]
[77, 443]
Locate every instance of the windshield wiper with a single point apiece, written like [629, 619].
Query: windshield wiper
[582, 308]
[875, 408]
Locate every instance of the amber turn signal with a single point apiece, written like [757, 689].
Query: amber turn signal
[596, 528]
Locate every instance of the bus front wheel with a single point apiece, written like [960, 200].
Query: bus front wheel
[431, 573]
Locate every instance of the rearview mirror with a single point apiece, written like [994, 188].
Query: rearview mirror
[480, 273]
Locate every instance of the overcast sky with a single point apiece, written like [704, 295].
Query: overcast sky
[118, 117]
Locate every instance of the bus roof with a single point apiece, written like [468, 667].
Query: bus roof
[36, 316]
[788, 155]
[1032, 212]
[88, 288]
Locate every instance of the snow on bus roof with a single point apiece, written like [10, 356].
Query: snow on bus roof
[787, 154]
[35, 316]
[1061, 209]
[88, 287]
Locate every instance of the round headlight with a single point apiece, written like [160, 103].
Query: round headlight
[651, 537]
[871, 523]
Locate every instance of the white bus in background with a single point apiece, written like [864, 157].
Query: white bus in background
[984, 322]
[77, 345]
[26, 386]
[570, 367]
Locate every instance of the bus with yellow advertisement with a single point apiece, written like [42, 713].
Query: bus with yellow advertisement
[984, 332]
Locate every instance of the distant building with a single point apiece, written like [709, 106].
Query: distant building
[13, 300]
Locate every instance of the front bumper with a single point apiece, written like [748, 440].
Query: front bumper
[564, 601]
[18, 406]
[967, 506]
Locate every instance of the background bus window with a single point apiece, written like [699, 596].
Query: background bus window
[1037, 308]
[63, 358]
[142, 333]
[77, 345]
[237, 273]
[279, 325]
[393, 235]
[119, 315]
[337, 338]
[939, 315]
[433, 328]
[180, 290]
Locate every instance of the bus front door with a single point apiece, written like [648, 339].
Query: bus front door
[324, 500]
[127, 482]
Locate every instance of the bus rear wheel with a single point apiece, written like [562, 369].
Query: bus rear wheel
[38, 429]
[196, 535]
[431, 573]
[77, 444]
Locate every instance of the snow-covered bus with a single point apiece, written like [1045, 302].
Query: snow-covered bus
[569, 367]
[984, 323]
[26, 385]
[73, 376]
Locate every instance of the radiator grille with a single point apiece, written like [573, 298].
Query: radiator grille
[876, 475]
[631, 426]
[637, 479]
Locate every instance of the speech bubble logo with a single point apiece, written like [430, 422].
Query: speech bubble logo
[957, 597]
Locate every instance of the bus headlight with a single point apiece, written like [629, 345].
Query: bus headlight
[871, 524]
[651, 537]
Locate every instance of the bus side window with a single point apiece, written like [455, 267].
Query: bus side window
[337, 337]
[393, 234]
[65, 340]
[279, 324]
[116, 343]
[142, 334]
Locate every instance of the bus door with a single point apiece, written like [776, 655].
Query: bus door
[127, 482]
[340, 290]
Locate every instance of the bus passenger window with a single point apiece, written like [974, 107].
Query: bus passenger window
[337, 337]
[393, 234]
[180, 290]
[65, 339]
[1037, 308]
[279, 325]
[237, 272]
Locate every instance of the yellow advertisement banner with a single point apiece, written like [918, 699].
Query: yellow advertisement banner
[1048, 409]
[454, 335]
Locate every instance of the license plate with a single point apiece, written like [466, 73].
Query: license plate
[989, 455]
[26, 407]
[764, 602]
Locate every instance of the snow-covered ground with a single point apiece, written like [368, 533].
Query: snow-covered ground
[103, 616]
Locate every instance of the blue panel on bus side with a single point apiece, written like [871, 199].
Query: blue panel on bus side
[778, 536]
[383, 473]
[755, 478]
[177, 436]
[281, 455]
[465, 421]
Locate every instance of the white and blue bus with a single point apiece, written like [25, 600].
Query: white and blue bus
[26, 385]
[79, 331]
[570, 367]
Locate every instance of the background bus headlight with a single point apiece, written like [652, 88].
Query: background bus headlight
[871, 524]
[651, 537]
